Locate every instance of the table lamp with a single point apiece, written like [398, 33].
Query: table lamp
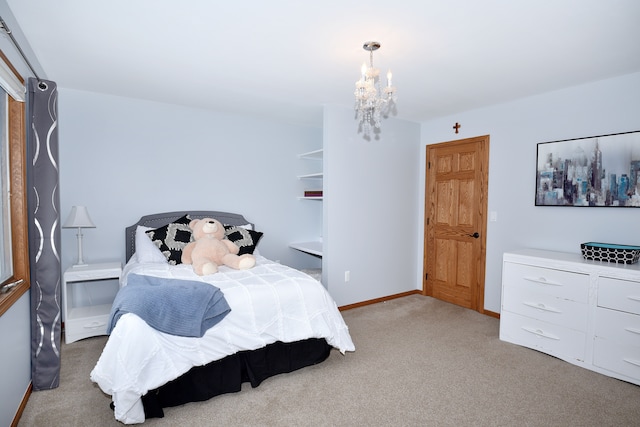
[79, 218]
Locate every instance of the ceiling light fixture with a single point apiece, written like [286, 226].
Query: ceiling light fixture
[371, 101]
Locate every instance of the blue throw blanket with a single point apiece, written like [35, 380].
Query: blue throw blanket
[176, 307]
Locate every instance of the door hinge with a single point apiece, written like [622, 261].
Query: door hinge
[429, 165]
[426, 276]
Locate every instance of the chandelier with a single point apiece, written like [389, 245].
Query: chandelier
[371, 101]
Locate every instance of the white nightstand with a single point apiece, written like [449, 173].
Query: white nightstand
[86, 308]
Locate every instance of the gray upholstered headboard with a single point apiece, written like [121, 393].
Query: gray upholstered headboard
[160, 219]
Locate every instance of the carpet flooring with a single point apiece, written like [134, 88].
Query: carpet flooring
[418, 362]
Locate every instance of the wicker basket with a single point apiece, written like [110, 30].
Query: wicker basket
[623, 254]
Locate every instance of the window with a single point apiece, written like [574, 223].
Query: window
[6, 264]
[14, 273]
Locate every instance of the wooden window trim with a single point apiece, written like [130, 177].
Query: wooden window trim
[18, 198]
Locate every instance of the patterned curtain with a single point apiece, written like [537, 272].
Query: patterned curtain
[44, 232]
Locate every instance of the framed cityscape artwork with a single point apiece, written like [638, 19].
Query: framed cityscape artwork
[596, 171]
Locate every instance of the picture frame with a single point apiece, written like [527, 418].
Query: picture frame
[598, 171]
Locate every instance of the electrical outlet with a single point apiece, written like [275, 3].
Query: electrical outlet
[347, 276]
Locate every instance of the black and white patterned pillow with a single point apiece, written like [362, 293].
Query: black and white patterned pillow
[172, 238]
[247, 240]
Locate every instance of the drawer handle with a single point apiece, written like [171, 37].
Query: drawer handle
[540, 333]
[633, 362]
[542, 281]
[633, 330]
[542, 307]
[94, 325]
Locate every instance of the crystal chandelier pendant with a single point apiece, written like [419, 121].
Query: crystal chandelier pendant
[372, 102]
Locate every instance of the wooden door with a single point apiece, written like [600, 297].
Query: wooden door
[455, 223]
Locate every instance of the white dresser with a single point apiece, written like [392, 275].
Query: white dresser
[584, 312]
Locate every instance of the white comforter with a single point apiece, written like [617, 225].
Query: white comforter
[270, 302]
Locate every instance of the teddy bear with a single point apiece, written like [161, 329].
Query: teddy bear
[211, 249]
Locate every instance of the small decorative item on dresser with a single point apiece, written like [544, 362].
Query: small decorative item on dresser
[610, 252]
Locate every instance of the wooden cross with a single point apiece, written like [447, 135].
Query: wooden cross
[457, 126]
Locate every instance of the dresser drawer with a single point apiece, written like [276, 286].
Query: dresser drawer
[619, 294]
[539, 305]
[560, 284]
[620, 358]
[552, 339]
[617, 326]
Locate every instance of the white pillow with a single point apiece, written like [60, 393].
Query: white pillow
[146, 251]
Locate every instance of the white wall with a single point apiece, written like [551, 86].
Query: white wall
[604, 107]
[371, 212]
[124, 158]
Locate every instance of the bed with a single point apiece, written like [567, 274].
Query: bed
[280, 320]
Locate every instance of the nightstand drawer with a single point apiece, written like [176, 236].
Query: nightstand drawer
[560, 284]
[551, 339]
[84, 327]
[623, 295]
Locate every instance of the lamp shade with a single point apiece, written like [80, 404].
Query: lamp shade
[78, 218]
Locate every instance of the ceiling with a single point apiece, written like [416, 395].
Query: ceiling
[286, 58]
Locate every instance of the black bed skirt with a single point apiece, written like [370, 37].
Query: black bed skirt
[228, 374]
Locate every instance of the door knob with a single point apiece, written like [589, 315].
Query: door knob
[474, 235]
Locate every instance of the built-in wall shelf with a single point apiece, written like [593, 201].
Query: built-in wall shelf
[312, 183]
[312, 247]
[315, 154]
[317, 175]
